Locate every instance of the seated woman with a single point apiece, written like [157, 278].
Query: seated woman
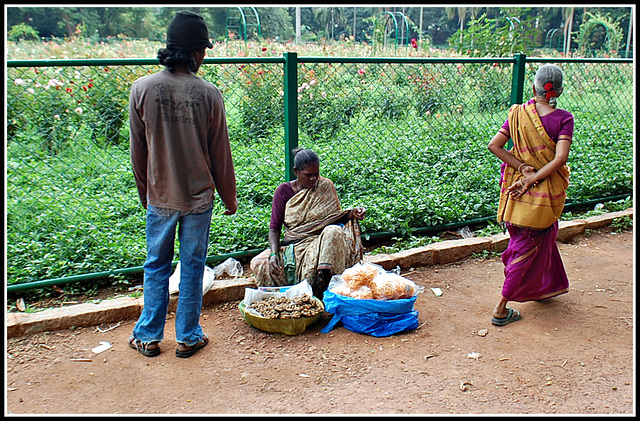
[320, 238]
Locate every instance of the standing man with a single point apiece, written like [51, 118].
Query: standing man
[180, 155]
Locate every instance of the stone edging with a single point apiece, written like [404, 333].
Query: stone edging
[448, 251]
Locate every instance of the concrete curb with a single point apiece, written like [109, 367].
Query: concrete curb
[449, 251]
[110, 311]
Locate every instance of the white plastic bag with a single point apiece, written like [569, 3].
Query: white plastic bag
[297, 290]
[207, 280]
[230, 266]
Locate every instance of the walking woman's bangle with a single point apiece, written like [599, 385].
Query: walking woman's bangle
[520, 167]
[272, 254]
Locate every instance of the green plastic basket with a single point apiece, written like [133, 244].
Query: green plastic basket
[293, 326]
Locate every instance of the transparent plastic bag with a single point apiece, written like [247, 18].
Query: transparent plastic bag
[371, 281]
[465, 232]
[230, 266]
[208, 277]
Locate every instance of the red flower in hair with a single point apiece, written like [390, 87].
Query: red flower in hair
[550, 92]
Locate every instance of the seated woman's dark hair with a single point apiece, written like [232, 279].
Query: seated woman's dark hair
[172, 58]
[302, 158]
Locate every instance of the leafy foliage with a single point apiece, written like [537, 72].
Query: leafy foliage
[23, 32]
[599, 31]
[484, 36]
[407, 141]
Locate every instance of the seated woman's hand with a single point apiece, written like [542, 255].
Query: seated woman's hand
[274, 264]
[358, 213]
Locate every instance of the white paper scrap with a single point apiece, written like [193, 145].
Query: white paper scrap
[437, 291]
[102, 347]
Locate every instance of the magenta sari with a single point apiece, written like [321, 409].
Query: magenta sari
[533, 267]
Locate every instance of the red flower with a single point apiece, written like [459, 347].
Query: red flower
[69, 90]
[264, 49]
[550, 92]
[414, 43]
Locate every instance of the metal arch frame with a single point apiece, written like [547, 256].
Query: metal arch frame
[510, 20]
[549, 38]
[395, 22]
[242, 25]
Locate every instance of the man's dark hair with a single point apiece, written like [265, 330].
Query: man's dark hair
[170, 58]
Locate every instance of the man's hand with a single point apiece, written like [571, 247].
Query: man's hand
[230, 210]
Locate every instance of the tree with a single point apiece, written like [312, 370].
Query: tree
[567, 13]
[355, 17]
[22, 31]
[298, 27]
[609, 41]
[461, 12]
[331, 18]
[485, 37]
[276, 23]
[323, 16]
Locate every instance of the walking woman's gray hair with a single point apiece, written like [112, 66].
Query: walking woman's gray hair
[549, 74]
[302, 158]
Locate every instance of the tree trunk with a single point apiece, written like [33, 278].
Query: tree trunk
[568, 27]
[298, 30]
[629, 32]
[354, 23]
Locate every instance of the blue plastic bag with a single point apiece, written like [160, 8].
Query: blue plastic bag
[373, 317]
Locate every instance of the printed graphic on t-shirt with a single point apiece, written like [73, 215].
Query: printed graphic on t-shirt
[178, 102]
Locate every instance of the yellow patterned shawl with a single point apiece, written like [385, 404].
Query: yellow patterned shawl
[310, 210]
[307, 220]
[541, 205]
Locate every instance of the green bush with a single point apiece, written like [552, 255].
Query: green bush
[22, 32]
[407, 141]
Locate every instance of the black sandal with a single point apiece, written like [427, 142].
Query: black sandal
[148, 349]
[193, 348]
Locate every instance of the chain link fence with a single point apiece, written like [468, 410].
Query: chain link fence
[406, 138]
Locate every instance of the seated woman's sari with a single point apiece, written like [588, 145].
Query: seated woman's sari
[533, 266]
[313, 240]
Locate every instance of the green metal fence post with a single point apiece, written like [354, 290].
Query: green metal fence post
[517, 83]
[517, 80]
[290, 111]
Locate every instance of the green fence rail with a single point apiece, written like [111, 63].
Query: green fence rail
[404, 137]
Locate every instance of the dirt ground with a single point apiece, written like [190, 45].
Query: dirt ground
[573, 354]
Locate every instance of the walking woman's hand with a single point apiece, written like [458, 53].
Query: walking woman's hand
[517, 189]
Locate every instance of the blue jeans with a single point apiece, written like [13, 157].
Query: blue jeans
[193, 235]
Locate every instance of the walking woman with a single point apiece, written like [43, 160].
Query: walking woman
[533, 183]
